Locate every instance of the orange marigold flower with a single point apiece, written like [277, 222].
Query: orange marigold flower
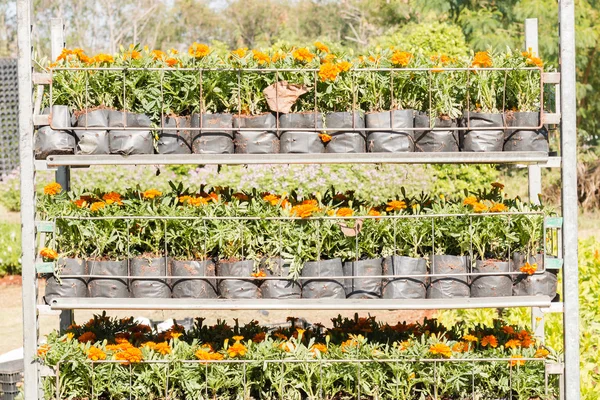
[498, 207]
[132, 54]
[482, 59]
[304, 210]
[238, 338]
[171, 61]
[96, 354]
[541, 353]
[374, 59]
[512, 344]
[318, 348]
[516, 360]
[325, 138]
[80, 203]
[396, 205]
[272, 199]
[344, 212]
[470, 338]
[479, 207]
[198, 50]
[48, 253]
[461, 347]
[42, 350]
[303, 55]
[259, 337]
[322, 47]
[497, 185]
[236, 350]
[151, 193]
[87, 337]
[158, 54]
[260, 57]
[343, 66]
[151, 345]
[197, 201]
[374, 213]
[241, 52]
[441, 349]
[401, 58]
[328, 72]
[278, 55]
[489, 340]
[112, 197]
[529, 269]
[102, 58]
[203, 354]
[259, 274]
[469, 201]
[52, 189]
[96, 206]
[162, 348]
[130, 355]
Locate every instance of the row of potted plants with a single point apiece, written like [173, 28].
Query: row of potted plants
[242, 89]
[118, 359]
[311, 243]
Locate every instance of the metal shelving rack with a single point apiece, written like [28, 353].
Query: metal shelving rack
[565, 115]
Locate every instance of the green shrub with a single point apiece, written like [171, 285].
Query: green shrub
[10, 248]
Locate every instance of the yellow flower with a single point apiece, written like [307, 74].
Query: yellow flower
[48, 253]
[261, 57]
[96, 354]
[541, 353]
[328, 72]
[374, 213]
[272, 199]
[102, 58]
[479, 207]
[158, 54]
[198, 50]
[318, 347]
[202, 354]
[236, 349]
[441, 349]
[70, 335]
[528, 269]
[303, 55]
[130, 355]
[132, 54]
[489, 340]
[470, 338]
[151, 193]
[96, 206]
[238, 338]
[517, 360]
[162, 348]
[401, 58]
[52, 189]
[42, 350]
[241, 52]
[396, 205]
[343, 66]
[322, 47]
[498, 207]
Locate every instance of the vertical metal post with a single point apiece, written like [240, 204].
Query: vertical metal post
[29, 291]
[568, 133]
[534, 176]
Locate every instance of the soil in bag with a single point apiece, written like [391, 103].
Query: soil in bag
[479, 140]
[213, 140]
[538, 284]
[152, 288]
[323, 288]
[279, 288]
[301, 141]
[92, 141]
[194, 288]
[363, 288]
[67, 287]
[435, 141]
[447, 286]
[394, 139]
[127, 142]
[404, 288]
[50, 142]
[175, 141]
[531, 139]
[108, 287]
[263, 140]
[491, 285]
[344, 141]
[237, 288]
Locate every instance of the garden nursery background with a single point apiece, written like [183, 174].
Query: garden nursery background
[455, 28]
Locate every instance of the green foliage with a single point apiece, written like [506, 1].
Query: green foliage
[450, 179]
[10, 248]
